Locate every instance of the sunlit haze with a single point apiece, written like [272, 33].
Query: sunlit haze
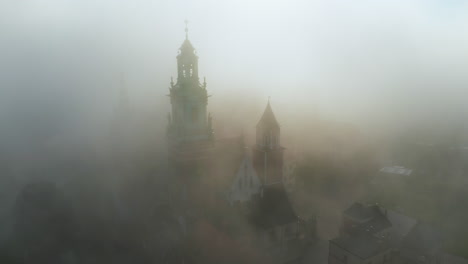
[234, 131]
[344, 59]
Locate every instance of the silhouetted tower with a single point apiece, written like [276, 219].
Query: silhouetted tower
[267, 152]
[188, 122]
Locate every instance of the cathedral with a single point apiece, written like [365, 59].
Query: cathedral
[209, 173]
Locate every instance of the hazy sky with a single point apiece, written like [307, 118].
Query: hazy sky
[349, 60]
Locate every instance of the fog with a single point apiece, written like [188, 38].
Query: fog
[349, 81]
[391, 60]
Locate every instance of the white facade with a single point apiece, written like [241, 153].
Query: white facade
[246, 182]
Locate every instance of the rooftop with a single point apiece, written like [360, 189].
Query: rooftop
[370, 218]
[397, 170]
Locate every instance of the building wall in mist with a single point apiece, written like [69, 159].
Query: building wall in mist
[280, 235]
[269, 164]
[337, 255]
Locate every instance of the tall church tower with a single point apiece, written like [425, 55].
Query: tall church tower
[267, 152]
[189, 126]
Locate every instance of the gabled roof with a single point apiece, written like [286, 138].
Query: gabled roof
[268, 119]
[273, 208]
[246, 182]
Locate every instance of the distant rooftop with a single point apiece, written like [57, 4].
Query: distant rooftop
[411, 237]
[370, 217]
[398, 170]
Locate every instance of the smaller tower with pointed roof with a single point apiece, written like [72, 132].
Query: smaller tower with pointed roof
[267, 152]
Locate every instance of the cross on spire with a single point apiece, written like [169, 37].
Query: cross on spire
[186, 28]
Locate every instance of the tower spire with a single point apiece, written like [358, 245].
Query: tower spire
[190, 119]
[268, 153]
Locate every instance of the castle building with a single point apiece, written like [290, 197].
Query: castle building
[209, 174]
